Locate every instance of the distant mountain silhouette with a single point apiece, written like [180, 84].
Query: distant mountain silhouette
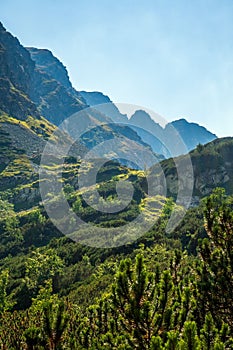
[178, 137]
[35, 83]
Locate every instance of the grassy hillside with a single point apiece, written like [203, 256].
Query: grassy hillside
[211, 164]
[163, 282]
[50, 284]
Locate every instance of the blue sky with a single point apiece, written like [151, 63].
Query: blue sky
[172, 56]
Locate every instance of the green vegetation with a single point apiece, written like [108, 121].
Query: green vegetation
[150, 294]
[159, 291]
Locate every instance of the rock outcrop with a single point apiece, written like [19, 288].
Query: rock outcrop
[212, 167]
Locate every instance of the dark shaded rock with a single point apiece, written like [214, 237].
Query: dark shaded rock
[52, 90]
[49, 64]
[16, 72]
[51, 94]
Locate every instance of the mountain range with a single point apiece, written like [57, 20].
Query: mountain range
[91, 255]
[37, 95]
[34, 82]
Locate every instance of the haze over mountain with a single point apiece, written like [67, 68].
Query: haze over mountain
[161, 141]
[191, 134]
[42, 87]
[38, 83]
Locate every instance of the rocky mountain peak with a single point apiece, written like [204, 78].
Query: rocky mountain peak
[51, 65]
[191, 133]
[16, 72]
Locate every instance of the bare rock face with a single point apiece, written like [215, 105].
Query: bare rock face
[27, 89]
[46, 62]
[15, 61]
[52, 90]
[16, 72]
[211, 178]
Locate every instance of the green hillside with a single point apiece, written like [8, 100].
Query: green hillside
[134, 266]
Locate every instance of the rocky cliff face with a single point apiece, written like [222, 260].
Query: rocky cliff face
[46, 62]
[16, 64]
[51, 88]
[25, 94]
[29, 89]
[213, 166]
[53, 93]
[16, 72]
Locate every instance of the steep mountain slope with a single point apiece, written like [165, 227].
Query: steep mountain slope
[212, 167]
[163, 141]
[36, 92]
[35, 83]
[23, 131]
[21, 146]
[16, 71]
[53, 100]
[55, 97]
[150, 132]
[46, 62]
[143, 120]
[24, 134]
[92, 126]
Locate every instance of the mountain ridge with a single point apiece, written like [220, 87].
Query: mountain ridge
[161, 139]
[44, 89]
[191, 133]
[39, 127]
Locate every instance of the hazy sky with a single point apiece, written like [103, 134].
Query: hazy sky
[173, 56]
